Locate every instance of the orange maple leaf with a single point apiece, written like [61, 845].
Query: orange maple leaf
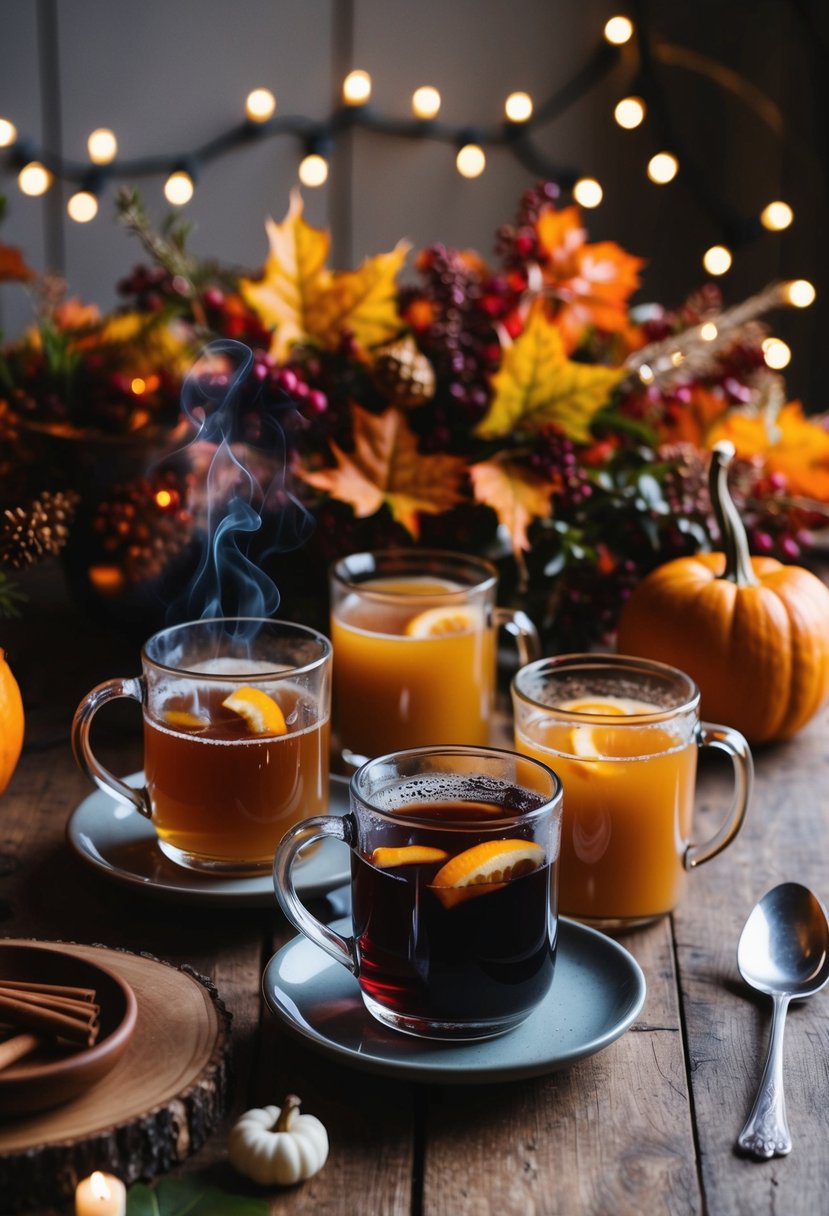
[691, 421]
[13, 266]
[792, 444]
[516, 496]
[591, 284]
[386, 467]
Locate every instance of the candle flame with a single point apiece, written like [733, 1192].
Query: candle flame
[98, 1185]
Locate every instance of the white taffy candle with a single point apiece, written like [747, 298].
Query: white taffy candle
[100, 1195]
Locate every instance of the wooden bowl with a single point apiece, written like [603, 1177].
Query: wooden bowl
[42, 1080]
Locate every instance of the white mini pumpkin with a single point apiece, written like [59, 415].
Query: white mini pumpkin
[273, 1144]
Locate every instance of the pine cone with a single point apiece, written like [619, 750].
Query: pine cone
[403, 374]
[37, 530]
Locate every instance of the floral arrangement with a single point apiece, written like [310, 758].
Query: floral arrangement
[526, 408]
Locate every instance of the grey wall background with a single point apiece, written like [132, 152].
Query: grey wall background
[750, 112]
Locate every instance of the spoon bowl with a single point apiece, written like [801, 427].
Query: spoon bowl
[784, 953]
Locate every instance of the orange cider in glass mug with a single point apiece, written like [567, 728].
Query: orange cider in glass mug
[414, 635]
[623, 736]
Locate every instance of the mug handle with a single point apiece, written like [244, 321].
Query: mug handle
[519, 626]
[81, 725]
[317, 828]
[730, 741]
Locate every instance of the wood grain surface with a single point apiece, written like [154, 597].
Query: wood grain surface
[646, 1126]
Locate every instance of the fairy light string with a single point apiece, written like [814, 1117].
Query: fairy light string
[643, 102]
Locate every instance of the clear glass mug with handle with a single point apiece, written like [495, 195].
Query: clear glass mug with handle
[415, 635]
[624, 735]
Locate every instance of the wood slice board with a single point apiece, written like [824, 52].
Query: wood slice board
[155, 1108]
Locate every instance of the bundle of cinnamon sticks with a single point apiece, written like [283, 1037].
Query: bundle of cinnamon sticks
[33, 1014]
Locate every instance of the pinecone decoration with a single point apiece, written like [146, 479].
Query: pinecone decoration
[37, 530]
[142, 526]
[403, 374]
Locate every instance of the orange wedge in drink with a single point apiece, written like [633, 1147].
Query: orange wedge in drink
[182, 719]
[261, 713]
[438, 622]
[485, 868]
[386, 858]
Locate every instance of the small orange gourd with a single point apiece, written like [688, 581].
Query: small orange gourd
[11, 722]
[753, 633]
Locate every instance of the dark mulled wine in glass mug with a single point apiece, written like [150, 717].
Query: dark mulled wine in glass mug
[454, 888]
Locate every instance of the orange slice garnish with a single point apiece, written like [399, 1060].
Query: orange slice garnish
[439, 622]
[385, 858]
[485, 868]
[182, 719]
[261, 713]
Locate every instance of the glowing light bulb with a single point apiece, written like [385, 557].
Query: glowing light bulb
[356, 88]
[260, 105]
[776, 216]
[471, 160]
[82, 207]
[618, 31]
[179, 188]
[518, 107]
[425, 102]
[102, 146]
[800, 293]
[717, 259]
[138, 385]
[776, 353]
[34, 178]
[587, 192]
[646, 374]
[663, 168]
[630, 112]
[313, 170]
[8, 133]
[708, 331]
[164, 498]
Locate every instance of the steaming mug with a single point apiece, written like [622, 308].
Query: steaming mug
[236, 738]
[624, 734]
[415, 649]
[453, 883]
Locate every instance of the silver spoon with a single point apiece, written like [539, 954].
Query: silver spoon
[784, 952]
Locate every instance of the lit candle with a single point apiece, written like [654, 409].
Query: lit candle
[100, 1195]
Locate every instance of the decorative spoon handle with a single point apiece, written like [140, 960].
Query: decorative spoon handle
[766, 1132]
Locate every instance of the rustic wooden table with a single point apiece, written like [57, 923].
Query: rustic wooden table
[646, 1125]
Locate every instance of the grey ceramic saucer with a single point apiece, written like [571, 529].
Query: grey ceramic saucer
[597, 992]
[121, 844]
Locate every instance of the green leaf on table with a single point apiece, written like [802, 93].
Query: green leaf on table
[190, 1196]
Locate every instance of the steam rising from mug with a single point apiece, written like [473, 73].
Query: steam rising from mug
[238, 486]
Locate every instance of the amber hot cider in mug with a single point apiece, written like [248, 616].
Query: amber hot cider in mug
[415, 639]
[624, 734]
[236, 738]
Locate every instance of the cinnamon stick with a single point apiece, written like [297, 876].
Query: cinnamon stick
[67, 990]
[74, 1029]
[61, 1004]
[16, 1048]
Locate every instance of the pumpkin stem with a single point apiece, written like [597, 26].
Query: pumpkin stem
[734, 540]
[286, 1114]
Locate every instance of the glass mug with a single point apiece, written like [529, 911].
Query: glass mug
[453, 885]
[236, 738]
[415, 649]
[623, 734]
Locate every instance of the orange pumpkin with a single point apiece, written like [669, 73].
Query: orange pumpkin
[11, 722]
[752, 632]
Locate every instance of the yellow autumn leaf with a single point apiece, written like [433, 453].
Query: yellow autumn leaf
[295, 273]
[516, 496]
[537, 385]
[386, 467]
[363, 301]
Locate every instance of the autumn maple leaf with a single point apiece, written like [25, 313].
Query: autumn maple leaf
[591, 284]
[793, 445]
[537, 385]
[516, 496]
[13, 266]
[386, 467]
[301, 299]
